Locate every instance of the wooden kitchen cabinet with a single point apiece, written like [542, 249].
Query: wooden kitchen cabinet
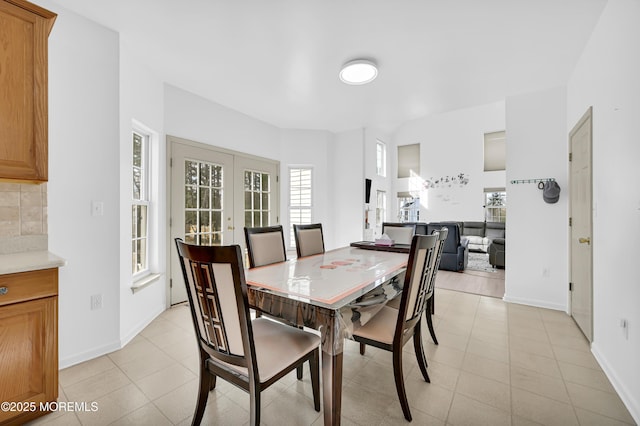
[24, 32]
[28, 344]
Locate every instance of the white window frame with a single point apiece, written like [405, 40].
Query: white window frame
[487, 191]
[381, 158]
[381, 208]
[302, 207]
[143, 200]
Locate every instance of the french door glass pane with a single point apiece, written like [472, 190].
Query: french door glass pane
[256, 198]
[204, 188]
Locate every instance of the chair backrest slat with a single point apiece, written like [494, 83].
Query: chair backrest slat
[418, 277]
[265, 245]
[309, 239]
[442, 238]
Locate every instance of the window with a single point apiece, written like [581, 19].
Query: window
[381, 207]
[408, 161]
[256, 198]
[495, 151]
[408, 207]
[300, 199]
[381, 158]
[495, 205]
[140, 205]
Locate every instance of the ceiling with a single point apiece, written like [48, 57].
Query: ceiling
[278, 60]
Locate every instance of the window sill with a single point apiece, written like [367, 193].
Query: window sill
[143, 282]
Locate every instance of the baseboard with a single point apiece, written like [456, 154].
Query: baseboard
[110, 347]
[88, 355]
[534, 302]
[134, 331]
[631, 402]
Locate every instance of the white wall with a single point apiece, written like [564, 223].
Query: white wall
[192, 117]
[537, 245]
[453, 143]
[307, 148]
[141, 99]
[84, 166]
[378, 183]
[606, 78]
[346, 169]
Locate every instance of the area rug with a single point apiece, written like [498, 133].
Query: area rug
[479, 262]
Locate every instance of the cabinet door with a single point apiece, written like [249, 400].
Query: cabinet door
[23, 93]
[28, 354]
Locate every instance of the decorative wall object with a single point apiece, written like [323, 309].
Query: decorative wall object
[459, 180]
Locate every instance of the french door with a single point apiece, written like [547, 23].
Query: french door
[215, 193]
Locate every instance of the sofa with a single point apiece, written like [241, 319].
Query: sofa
[455, 255]
[481, 234]
[486, 237]
[496, 253]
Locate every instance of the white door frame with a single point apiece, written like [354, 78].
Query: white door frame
[170, 141]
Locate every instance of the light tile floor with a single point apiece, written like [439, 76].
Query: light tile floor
[497, 364]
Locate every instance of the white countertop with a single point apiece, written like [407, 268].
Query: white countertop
[29, 261]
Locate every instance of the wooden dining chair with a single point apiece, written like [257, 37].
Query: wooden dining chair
[309, 239]
[395, 302]
[390, 329]
[265, 245]
[251, 355]
[400, 233]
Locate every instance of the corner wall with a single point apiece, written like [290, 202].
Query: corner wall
[453, 143]
[606, 77]
[141, 99]
[346, 169]
[537, 237]
[84, 166]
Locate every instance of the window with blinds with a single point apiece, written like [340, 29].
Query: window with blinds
[408, 161]
[300, 199]
[495, 151]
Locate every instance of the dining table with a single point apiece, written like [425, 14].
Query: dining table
[332, 292]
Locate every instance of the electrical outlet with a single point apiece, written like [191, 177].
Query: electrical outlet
[96, 302]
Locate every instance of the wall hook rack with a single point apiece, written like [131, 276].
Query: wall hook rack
[532, 180]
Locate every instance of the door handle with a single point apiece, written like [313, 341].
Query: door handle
[231, 228]
[584, 240]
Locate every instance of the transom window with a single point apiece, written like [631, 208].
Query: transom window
[495, 151]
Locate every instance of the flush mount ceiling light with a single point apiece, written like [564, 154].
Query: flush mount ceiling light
[359, 71]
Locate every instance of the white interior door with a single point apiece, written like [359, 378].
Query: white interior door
[581, 226]
[214, 194]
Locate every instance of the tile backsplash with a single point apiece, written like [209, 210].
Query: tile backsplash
[23, 217]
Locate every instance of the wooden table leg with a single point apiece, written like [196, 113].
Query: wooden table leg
[332, 387]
